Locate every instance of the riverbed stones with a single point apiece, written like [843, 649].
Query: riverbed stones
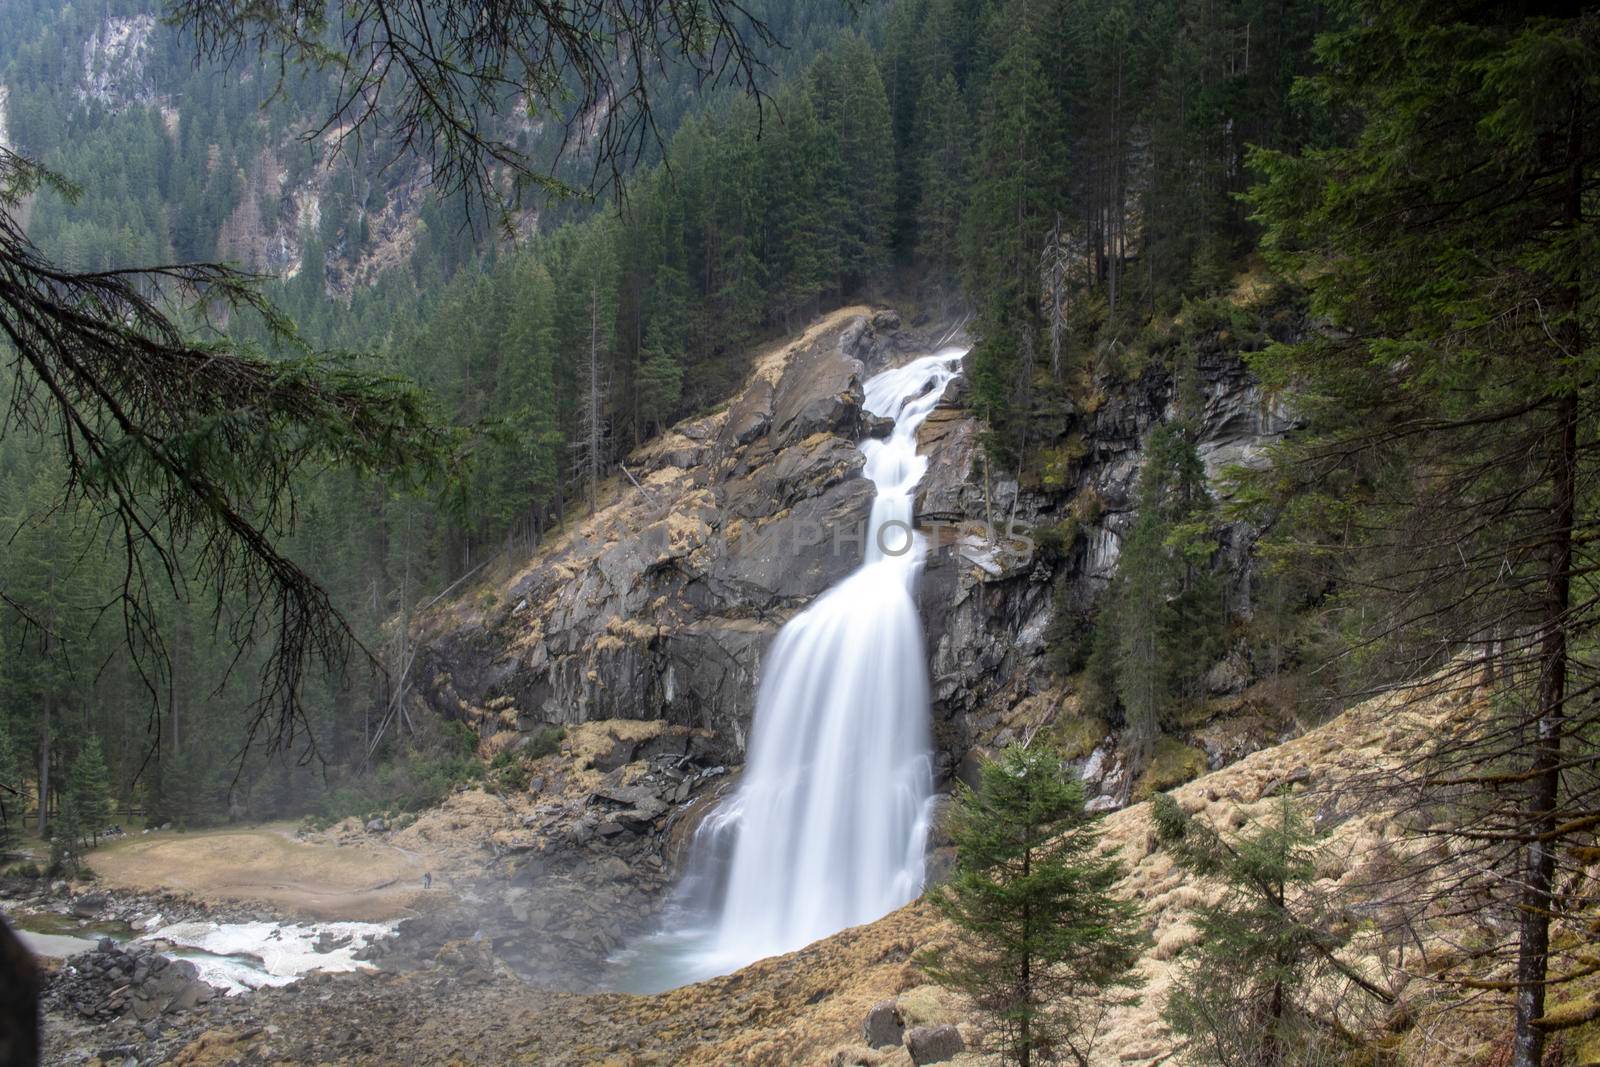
[89, 905]
[112, 980]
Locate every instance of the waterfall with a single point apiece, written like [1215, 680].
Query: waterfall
[828, 826]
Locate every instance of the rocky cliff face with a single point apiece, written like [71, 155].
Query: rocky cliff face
[278, 211]
[659, 606]
[115, 59]
[989, 603]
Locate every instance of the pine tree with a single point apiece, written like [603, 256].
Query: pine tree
[944, 150]
[1168, 607]
[1450, 412]
[89, 789]
[1252, 988]
[1044, 946]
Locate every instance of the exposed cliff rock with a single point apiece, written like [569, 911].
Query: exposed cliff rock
[660, 604]
[991, 595]
[115, 59]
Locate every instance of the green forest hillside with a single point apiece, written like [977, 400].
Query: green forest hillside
[932, 152]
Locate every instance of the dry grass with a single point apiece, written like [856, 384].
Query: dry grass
[268, 865]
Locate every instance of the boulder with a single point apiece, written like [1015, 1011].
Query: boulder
[1232, 674]
[619, 754]
[89, 905]
[190, 996]
[171, 989]
[1094, 769]
[376, 826]
[883, 1025]
[1101, 804]
[820, 392]
[876, 425]
[934, 1044]
[939, 866]
[855, 1056]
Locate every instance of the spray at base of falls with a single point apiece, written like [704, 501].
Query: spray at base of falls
[829, 825]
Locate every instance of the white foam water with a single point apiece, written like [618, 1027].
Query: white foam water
[828, 827]
[248, 955]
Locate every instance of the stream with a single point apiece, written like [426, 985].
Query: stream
[234, 957]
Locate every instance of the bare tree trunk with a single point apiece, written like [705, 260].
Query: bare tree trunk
[592, 444]
[44, 771]
[1026, 1033]
[1539, 860]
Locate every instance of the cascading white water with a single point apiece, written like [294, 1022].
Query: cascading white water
[828, 826]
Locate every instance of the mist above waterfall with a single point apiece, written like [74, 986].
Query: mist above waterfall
[829, 825]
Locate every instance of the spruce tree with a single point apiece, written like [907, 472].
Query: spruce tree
[1168, 607]
[799, 239]
[660, 375]
[1254, 987]
[66, 838]
[1449, 406]
[1019, 177]
[944, 150]
[11, 792]
[857, 190]
[530, 463]
[89, 790]
[1043, 945]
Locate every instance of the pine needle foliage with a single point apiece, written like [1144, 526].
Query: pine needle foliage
[1044, 946]
[89, 790]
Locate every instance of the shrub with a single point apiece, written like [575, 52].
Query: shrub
[545, 741]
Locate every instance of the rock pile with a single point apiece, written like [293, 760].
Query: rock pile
[909, 1030]
[113, 980]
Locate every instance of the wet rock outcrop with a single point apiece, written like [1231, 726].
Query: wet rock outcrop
[1016, 558]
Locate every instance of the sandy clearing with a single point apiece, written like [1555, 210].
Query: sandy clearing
[267, 864]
